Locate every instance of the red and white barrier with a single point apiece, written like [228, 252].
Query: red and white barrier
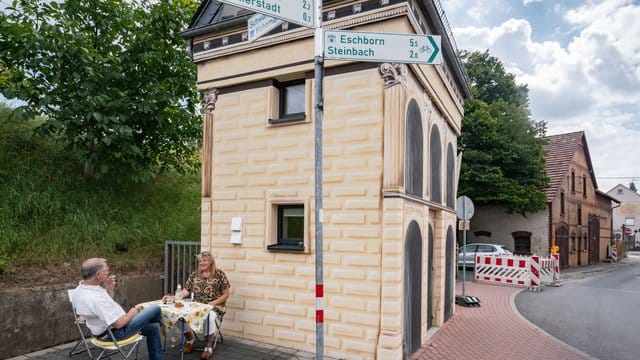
[614, 253]
[534, 267]
[530, 272]
[508, 270]
[556, 268]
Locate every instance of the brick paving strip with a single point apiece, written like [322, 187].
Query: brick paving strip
[495, 330]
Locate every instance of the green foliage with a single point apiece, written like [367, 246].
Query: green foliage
[50, 213]
[112, 78]
[503, 150]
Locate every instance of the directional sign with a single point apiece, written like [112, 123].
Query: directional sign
[260, 24]
[296, 11]
[380, 47]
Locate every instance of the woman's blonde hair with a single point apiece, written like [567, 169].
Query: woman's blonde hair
[212, 262]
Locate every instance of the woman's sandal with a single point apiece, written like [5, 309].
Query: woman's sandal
[188, 346]
[207, 353]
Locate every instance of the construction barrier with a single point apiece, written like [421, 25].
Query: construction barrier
[523, 271]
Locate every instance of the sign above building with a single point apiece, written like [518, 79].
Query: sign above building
[382, 47]
[300, 12]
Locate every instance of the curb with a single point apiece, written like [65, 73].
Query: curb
[512, 303]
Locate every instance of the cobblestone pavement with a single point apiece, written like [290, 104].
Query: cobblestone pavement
[233, 348]
[495, 330]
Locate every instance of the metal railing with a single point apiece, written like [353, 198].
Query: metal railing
[179, 262]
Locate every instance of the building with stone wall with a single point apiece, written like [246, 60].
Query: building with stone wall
[389, 180]
[577, 218]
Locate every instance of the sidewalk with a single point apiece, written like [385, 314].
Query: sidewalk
[233, 348]
[494, 330]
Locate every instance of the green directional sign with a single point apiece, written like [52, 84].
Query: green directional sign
[296, 11]
[381, 47]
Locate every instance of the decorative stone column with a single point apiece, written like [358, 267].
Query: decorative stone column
[390, 338]
[211, 96]
[395, 86]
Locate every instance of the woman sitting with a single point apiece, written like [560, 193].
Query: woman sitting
[209, 285]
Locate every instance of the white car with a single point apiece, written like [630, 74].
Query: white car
[480, 249]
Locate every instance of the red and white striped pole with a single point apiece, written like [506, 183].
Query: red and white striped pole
[319, 215]
[556, 268]
[535, 272]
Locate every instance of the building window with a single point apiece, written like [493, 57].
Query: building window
[521, 242]
[584, 186]
[584, 244]
[619, 191]
[482, 233]
[561, 203]
[291, 101]
[573, 244]
[289, 223]
[579, 214]
[573, 182]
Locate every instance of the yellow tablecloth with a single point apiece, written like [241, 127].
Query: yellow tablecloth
[193, 313]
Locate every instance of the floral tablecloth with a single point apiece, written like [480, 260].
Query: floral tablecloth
[193, 313]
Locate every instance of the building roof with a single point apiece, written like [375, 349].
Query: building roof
[607, 196]
[561, 149]
[213, 16]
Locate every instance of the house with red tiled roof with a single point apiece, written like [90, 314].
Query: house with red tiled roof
[578, 216]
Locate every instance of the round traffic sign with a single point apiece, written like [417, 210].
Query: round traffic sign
[464, 208]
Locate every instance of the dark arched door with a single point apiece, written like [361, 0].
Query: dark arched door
[412, 289]
[448, 277]
[430, 280]
[435, 154]
[594, 240]
[562, 240]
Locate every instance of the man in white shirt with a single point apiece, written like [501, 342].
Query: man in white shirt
[93, 299]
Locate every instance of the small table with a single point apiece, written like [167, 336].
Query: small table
[194, 314]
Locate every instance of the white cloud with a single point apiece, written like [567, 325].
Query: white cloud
[527, 2]
[591, 84]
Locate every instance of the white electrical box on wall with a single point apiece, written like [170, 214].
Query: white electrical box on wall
[236, 230]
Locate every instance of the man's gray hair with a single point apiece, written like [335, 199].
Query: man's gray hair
[91, 267]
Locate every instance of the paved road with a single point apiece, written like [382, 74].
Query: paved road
[599, 315]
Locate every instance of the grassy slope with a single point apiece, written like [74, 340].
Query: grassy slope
[50, 214]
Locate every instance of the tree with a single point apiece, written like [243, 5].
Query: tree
[112, 79]
[632, 187]
[503, 149]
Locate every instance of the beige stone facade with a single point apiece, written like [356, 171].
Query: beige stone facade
[252, 167]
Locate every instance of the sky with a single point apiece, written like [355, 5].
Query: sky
[581, 62]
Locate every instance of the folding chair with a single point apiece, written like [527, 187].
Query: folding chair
[83, 337]
[109, 347]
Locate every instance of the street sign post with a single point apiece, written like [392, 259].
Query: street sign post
[382, 47]
[301, 12]
[464, 212]
[260, 24]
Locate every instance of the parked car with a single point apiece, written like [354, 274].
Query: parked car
[480, 249]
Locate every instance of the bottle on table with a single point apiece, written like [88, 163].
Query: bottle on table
[178, 295]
